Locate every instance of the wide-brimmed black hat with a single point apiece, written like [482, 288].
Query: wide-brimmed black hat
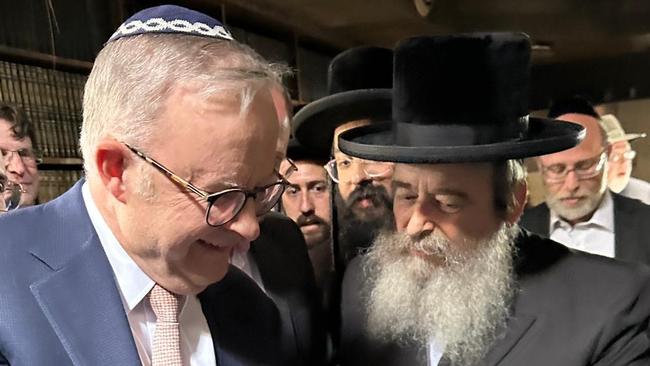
[461, 98]
[297, 152]
[359, 82]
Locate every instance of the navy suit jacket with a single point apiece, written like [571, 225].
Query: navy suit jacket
[60, 304]
[631, 227]
[571, 309]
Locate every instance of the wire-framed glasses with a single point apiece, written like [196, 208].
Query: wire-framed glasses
[584, 169]
[342, 170]
[225, 205]
[627, 155]
[27, 155]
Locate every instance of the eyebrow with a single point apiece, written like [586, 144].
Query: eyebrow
[444, 191]
[399, 184]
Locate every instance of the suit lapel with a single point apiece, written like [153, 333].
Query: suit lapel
[79, 297]
[518, 326]
[628, 246]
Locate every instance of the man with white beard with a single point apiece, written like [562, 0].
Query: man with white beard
[460, 283]
[579, 210]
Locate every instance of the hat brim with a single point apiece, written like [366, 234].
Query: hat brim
[629, 137]
[545, 136]
[314, 124]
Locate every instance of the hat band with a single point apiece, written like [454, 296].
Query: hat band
[409, 134]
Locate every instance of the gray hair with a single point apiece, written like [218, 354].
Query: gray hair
[132, 78]
[508, 175]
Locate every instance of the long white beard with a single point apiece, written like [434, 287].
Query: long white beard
[462, 304]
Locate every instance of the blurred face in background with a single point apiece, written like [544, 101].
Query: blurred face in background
[620, 161]
[575, 180]
[362, 195]
[307, 200]
[20, 162]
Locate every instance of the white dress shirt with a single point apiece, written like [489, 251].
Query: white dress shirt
[133, 284]
[435, 353]
[594, 236]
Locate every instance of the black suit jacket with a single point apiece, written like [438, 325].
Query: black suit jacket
[571, 309]
[280, 254]
[631, 227]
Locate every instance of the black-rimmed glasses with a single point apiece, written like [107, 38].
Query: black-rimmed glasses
[225, 205]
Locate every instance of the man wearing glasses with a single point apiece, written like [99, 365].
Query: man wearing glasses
[361, 192]
[621, 157]
[579, 210]
[17, 140]
[131, 265]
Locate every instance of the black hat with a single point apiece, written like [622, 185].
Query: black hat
[573, 104]
[297, 152]
[461, 98]
[359, 82]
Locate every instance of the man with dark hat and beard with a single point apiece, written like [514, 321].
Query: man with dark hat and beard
[358, 82]
[460, 283]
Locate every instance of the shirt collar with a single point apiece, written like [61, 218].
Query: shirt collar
[132, 282]
[602, 217]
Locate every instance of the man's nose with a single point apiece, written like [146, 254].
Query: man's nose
[421, 220]
[246, 222]
[14, 164]
[571, 181]
[306, 202]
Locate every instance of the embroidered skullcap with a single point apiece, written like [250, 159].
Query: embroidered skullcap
[171, 19]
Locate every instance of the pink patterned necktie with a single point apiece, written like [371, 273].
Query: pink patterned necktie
[167, 337]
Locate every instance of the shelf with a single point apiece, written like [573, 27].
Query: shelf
[61, 164]
[44, 60]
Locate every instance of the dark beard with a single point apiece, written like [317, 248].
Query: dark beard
[357, 232]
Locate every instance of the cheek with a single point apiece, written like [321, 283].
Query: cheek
[345, 189]
[290, 206]
[323, 207]
[402, 216]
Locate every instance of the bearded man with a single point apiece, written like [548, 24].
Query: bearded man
[460, 283]
[359, 81]
[579, 210]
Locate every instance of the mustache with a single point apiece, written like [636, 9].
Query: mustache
[377, 194]
[303, 220]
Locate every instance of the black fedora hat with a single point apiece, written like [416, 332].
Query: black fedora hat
[359, 83]
[461, 98]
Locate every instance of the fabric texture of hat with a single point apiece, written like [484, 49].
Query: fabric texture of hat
[297, 152]
[461, 98]
[359, 82]
[615, 132]
[171, 19]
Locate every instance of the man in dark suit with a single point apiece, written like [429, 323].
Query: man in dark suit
[584, 214]
[131, 266]
[283, 271]
[460, 283]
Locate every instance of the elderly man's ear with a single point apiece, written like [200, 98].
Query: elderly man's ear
[111, 159]
[521, 195]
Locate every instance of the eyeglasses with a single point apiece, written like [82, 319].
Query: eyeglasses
[342, 170]
[627, 155]
[225, 205]
[11, 193]
[583, 169]
[28, 156]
